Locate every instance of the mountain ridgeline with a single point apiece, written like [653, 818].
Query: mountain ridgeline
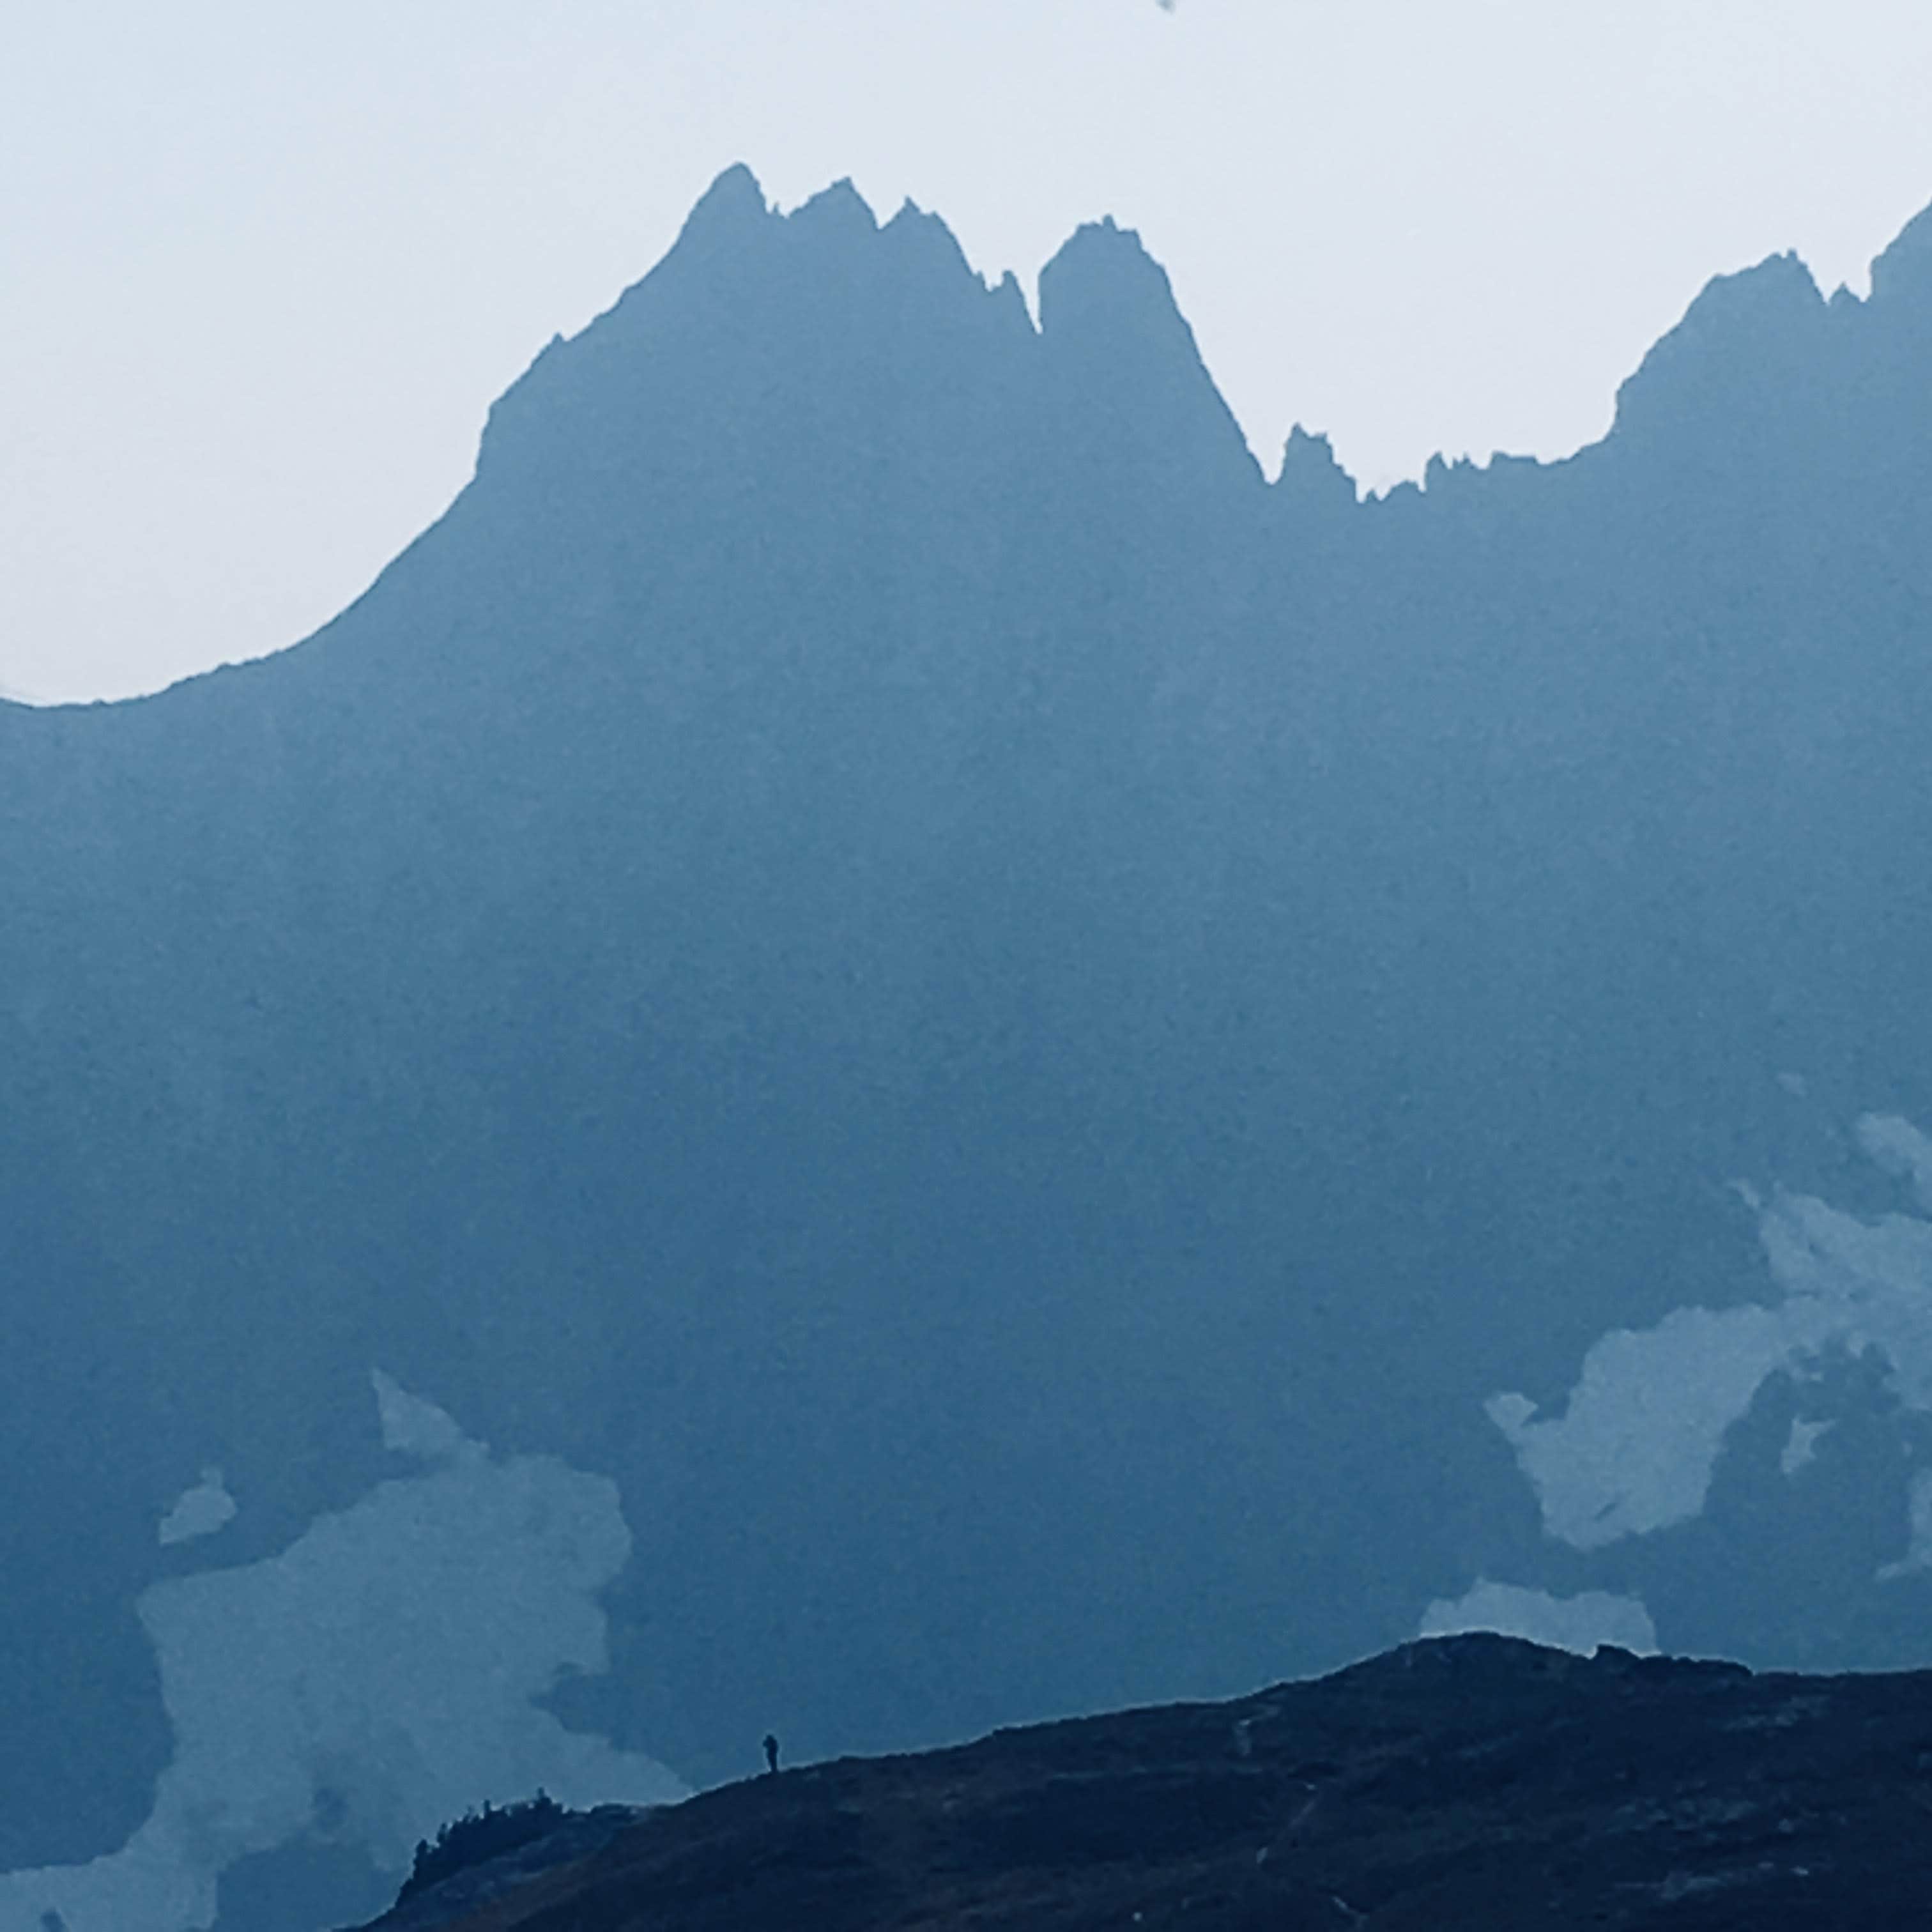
[1011, 1027]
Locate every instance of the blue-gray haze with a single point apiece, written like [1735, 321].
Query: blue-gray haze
[1011, 1027]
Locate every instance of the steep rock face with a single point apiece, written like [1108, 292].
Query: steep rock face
[1010, 1028]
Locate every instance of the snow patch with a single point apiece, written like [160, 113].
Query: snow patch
[413, 1426]
[1578, 1623]
[1634, 1450]
[1802, 1445]
[199, 1511]
[1918, 1546]
[378, 1677]
[1635, 1446]
[1901, 1149]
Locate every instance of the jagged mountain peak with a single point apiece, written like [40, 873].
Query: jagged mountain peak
[1311, 473]
[917, 233]
[1103, 270]
[756, 318]
[745, 289]
[733, 206]
[1903, 272]
[1744, 343]
[839, 210]
[1130, 359]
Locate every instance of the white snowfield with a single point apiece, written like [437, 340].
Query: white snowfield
[374, 1679]
[199, 1511]
[1634, 1449]
[1578, 1623]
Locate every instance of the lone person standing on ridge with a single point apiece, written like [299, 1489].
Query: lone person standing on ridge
[771, 1755]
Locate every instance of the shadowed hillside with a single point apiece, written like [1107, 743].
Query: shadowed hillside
[1474, 1782]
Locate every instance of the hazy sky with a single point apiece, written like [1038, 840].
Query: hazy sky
[263, 266]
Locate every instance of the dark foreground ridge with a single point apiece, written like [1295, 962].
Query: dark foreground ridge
[1471, 1781]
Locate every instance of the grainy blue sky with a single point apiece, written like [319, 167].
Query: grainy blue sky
[262, 267]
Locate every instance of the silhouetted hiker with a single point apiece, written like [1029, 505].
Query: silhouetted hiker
[771, 1754]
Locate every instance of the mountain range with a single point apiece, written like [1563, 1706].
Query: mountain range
[977, 1063]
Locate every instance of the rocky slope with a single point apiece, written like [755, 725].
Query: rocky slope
[1471, 1781]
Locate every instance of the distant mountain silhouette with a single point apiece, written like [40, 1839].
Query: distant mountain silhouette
[1011, 1027]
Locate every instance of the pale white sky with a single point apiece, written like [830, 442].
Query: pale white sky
[263, 266]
